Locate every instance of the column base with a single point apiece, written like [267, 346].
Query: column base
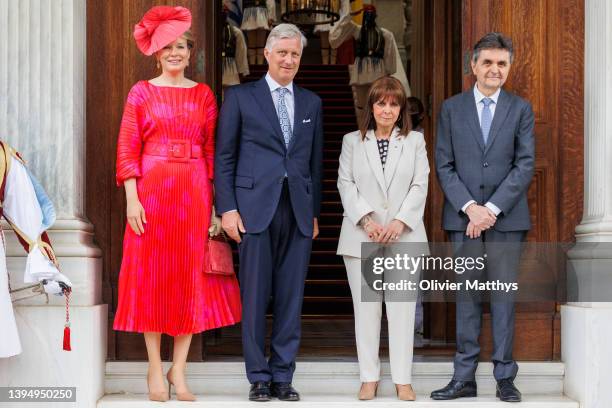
[585, 349]
[43, 362]
[79, 258]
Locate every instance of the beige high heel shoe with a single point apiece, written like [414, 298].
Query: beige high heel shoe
[368, 390]
[161, 396]
[181, 396]
[405, 392]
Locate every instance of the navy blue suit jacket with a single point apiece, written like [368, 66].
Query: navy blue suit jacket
[251, 158]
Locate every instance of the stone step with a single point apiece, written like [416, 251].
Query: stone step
[330, 378]
[323, 401]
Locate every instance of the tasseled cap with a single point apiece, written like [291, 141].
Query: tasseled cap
[160, 26]
[369, 8]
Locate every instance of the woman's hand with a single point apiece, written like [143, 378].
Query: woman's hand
[136, 216]
[215, 224]
[371, 227]
[135, 211]
[392, 232]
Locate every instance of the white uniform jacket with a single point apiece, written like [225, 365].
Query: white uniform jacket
[29, 212]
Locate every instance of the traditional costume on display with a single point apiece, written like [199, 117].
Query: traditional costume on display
[28, 210]
[166, 142]
[234, 11]
[256, 14]
[234, 54]
[328, 54]
[256, 18]
[376, 54]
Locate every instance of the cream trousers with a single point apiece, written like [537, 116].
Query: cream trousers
[368, 315]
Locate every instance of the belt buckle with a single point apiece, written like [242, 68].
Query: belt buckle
[179, 150]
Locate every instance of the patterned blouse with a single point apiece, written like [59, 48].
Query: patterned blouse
[383, 149]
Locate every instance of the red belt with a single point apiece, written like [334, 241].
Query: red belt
[176, 150]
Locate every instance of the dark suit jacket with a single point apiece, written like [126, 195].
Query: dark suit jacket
[251, 157]
[499, 172]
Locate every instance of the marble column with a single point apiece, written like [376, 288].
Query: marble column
[42, 115]
[586, 327]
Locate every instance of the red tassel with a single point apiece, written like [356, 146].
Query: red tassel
[67, 325]
[67, 338]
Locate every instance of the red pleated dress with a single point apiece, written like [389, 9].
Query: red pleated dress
[162, 284]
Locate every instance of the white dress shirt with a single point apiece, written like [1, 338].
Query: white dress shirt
[478, 97]
[289, 97]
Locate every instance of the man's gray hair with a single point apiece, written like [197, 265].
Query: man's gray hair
[283, 31]
[493, 41]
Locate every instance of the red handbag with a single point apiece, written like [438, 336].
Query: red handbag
[220, 260]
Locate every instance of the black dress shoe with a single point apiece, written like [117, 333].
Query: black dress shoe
[260, 391]
[506, 391]
[455, 389]
[285, 392]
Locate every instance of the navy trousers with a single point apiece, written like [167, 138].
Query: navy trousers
[273, 266]
[503, 251]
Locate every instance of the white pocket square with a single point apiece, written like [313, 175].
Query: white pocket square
[306, 120]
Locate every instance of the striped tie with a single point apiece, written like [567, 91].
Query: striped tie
[486, 119]
[283, 116]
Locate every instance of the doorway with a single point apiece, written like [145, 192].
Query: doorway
[440, 36]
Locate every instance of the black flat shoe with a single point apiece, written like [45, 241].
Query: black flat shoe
[506, 391]
[455, 389]
[260, 391]
[285, 392]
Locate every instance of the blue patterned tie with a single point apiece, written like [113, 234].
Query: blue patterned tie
[486, 119]
[283, 116]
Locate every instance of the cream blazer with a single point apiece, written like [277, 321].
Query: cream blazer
[397, 193]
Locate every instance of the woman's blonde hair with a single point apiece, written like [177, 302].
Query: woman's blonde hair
[188, 35]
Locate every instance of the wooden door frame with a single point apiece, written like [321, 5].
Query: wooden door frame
[109, 76]
[435, 76]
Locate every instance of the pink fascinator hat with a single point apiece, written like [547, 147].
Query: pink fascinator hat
[160, 26]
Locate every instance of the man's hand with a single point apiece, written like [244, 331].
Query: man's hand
[232, 225]
[391, 232]
[315, 228]
[472, 231]
[57, 284]
[481, 216]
